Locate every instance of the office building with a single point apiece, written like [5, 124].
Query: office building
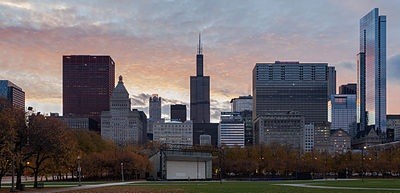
[122, 125]
[154, 112]
[339, 142]
[342, 113]
[393, 122]
[231, 130]
[88, 82]
[247, 117]
[13, 93]
[331, 81]
[291, 86]
[308, 137]
[199, 91]
[210, 129]
[205, 140]
[282, 127]
[371, 70]
[178, 112]
[155, 107]
[321, 137]
[82, 123]
[143, 121]
[350, 88]
[174, 133]
[243, 103]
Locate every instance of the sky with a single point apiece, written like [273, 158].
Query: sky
[154, 44]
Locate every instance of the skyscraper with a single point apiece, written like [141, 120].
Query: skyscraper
[178, 113]
[242, 103]
[291, 86]
[88, 82]
[372, 70]
[331, 81]
[343, 113]
[154, 112]
[13, 93]
[282, 127]
[350, 88]
[155, 107]
[122, 125]
[199, 91]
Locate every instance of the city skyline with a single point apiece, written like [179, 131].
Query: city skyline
[154, 47]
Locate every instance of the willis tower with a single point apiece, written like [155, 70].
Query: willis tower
[199, 91]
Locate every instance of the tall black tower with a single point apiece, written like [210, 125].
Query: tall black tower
[199, 91]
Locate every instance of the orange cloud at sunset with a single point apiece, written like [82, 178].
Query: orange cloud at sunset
[154, 43]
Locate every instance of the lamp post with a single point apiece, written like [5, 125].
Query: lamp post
[27, 165]
[362, 163]
[79, 170]
[122, 171]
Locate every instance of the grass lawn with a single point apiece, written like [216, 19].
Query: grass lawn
[368, 183]
[240, 187]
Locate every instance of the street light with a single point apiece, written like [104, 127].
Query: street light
[79, 170]
[362, 163]
[27, 165]
[122, 171]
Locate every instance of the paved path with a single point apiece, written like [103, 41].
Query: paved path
[87, 187]
[336, 187]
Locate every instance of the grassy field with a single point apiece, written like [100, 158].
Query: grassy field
[240, 187]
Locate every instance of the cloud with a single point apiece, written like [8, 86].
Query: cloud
[393, 68]
[154, 42]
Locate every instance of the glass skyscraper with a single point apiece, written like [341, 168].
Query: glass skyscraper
[13, 93]
[291, 86]
[342, 113]
[371, 71]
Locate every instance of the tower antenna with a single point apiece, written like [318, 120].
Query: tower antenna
[200, 49]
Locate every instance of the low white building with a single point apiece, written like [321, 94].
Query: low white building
[181, 165]
[173, 133]
[122, 125]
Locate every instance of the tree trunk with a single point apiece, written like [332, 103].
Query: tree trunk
[20, 171]
[36, 173]
[1, 177]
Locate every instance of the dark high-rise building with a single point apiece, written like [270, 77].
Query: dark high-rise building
[178, 112]
[13, 93]
[350, 88]
[291, 86]
[361, 113]
[155, 107]
[210, 129]
[199, 92]
[88, 82]
[372, 72]
[331, 81]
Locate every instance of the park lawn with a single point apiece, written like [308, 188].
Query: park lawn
[368, 183]
[235, 186]
[231, 187]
